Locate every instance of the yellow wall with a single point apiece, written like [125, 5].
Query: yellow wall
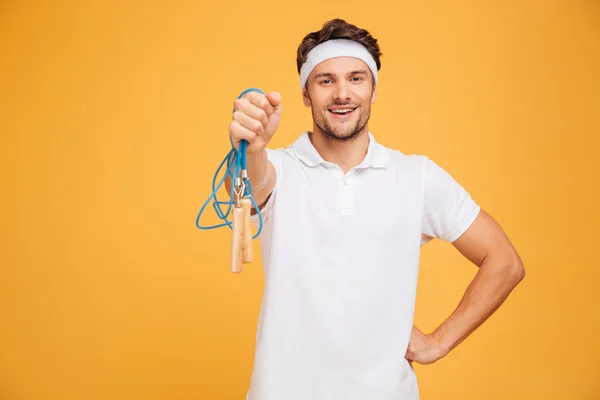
[113, 119]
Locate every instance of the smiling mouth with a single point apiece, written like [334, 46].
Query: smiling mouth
[342, 111]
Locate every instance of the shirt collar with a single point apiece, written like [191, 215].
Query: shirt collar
[376, 156]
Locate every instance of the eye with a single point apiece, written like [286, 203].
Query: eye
[325, 81]
[357, 78]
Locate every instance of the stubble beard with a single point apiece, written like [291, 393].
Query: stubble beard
[343, 133]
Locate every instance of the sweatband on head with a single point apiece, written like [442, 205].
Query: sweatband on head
[336, 48]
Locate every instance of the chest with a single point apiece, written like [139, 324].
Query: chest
[364, 207]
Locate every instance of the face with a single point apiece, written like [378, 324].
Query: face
[340, 92]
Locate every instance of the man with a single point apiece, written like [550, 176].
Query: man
[344, 220]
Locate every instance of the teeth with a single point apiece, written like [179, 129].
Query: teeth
[342, 111]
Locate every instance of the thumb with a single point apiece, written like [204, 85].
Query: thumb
[275, 100]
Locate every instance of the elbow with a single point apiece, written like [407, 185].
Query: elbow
[516, 272]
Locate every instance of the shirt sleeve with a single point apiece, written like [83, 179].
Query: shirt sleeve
[274, 157]
[448, 208]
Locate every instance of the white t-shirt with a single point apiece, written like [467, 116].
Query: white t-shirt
[340, 255]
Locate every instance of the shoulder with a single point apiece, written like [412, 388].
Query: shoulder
[288, 155]
[284, 161]
[411, 162]
[280, 155]
[419, 169]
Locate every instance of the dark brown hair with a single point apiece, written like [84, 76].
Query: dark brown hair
[338, 29]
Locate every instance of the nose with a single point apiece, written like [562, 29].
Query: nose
[341, 93]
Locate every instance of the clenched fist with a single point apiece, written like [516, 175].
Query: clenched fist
[255, 118]
[422, 348]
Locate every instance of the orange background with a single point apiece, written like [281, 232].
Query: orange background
[114, 119]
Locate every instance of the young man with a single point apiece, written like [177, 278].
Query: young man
[344, 220]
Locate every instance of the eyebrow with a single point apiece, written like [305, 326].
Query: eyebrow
[331, 75]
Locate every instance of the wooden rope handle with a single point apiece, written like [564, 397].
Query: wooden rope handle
[237, 239]
[247, 236]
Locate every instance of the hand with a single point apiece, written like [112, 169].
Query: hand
[255, 118]
[422, 348]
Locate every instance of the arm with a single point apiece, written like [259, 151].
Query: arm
[262, 177]
[255, 119]
[485, 244]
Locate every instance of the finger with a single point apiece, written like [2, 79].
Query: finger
[274, 98]
[238, 133]
[260, 100]
[248, 122]
[251, 110]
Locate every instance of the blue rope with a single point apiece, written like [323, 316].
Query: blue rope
[235, 160]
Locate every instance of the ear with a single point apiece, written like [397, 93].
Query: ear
[374, 95]
[305, 98]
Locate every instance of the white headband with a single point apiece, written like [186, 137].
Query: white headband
[336, 48]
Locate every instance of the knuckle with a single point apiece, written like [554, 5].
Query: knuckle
[264, 103]
[235, 126]
[238, 115]
[240, 103]
[262, 115]
[249, 136]
[248, 98]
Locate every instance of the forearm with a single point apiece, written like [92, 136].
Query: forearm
[262, 176]
[489, 289]
[257, 166]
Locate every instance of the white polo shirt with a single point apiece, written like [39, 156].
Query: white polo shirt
[340, 254]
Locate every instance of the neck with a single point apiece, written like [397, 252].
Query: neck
[344, 153]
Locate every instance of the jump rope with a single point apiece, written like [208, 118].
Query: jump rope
[239, 205]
